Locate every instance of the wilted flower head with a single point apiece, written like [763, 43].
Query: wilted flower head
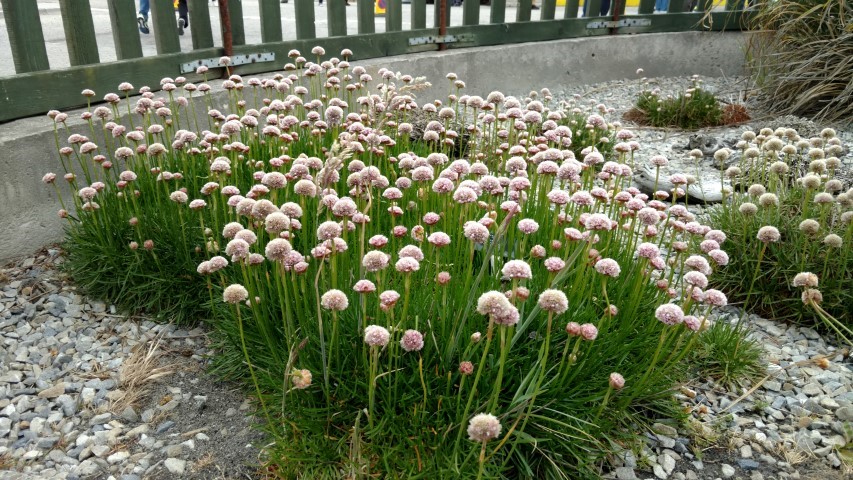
[484, 427]
[811, 295]
[805, 279]
[376, 336]
[301, 378]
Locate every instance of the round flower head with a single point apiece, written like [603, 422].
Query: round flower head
[554, 264]
[277, 249]
[466, 368]
[528, 226]
[231, 229]
[515, 269]
[805, 279]
[301, 378]
[389, 298]
[597, 221]
[648, 250]
[573, 329]
[809, 226]
[329, 230]
[715, 297]
[374, 261]
[412, 341]
[443, 278]
[476, 232]
[833, 240]
[376, 336]
[364, 286]
[439, 239]
[617, 381]
[693, 323]
[669, 314]
[493, 303]
[588, 331]
[553, 301]
[696, 279]
[719, 257]
[334, 300]
[412, 251]
[277, 222]
[748, 208]
[768, 234]
[235, 293]
[407, 265]
[484, 427]
[608, 266]
[237, 248]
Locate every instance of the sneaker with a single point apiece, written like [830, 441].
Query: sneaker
[143, 23]
[181, 24]
[534, 7]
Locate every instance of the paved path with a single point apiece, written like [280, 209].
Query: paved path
[58, 52]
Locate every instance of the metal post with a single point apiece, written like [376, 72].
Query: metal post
[227, 40]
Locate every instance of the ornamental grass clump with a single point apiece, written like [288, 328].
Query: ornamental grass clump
[786, 212]
[396, 309]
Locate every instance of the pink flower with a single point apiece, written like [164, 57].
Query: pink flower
[364, 286]
[412, 251]
[466, 368]
[608, 266]
[516, 269]
[439, 239]
[376, 336]
[484, 427]
[334, 300]
[553, 301]
[670, 314]
[389, 298]
[407, 265]
[412, 341]
[528, 226]
[617, 382]
[588, 331]
[443, 278]
[554, 264]
[573, 329]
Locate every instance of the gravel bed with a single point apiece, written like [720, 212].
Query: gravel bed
[69, 368]
[77, 400]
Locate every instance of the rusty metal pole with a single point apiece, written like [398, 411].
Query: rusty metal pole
[615, 7]
[227, 40]
[442, 23]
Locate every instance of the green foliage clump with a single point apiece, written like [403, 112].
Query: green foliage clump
[379, 293]
[726, 354]
[692, 108]
[792, 185]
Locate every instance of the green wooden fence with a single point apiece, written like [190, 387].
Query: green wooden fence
[36, 87]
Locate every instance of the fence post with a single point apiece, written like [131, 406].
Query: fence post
[572, 9]
[25, 35]
[305, 18]
[523, 12]
[270, 11]
[418, 14]
[393, 15]
[646, 7]
[125, 33]
[471, 12]
[165, 26]
[79, 32]
[336, 15]
[549, 8]
[201, 31]
[366, 23]
[497, 13]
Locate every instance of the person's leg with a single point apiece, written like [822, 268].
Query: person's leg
[605, 7]
[142, 17]
[184, 12]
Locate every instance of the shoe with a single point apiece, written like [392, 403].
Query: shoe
[143, 23]
[181, 24]
[534, 7]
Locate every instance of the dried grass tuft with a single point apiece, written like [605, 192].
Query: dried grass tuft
[802, 57]
[137, 374]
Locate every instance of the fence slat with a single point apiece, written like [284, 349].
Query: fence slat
[523, 12]
[470, 12]
[200, 30]
[25, 35]
[393, 15]
[125, 33]
[336, 15]
[571, 10]
[418, 14]
[366, 23]
[592, 8]
[238, 31]
[165, 26]
[305, 19]
[497, 13]
[270, 11]
[647, 7]
[79, 32]
[549, 7]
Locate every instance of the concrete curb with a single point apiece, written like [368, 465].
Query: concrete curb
[27, 147]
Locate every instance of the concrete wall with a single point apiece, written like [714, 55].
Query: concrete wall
[28, 208]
